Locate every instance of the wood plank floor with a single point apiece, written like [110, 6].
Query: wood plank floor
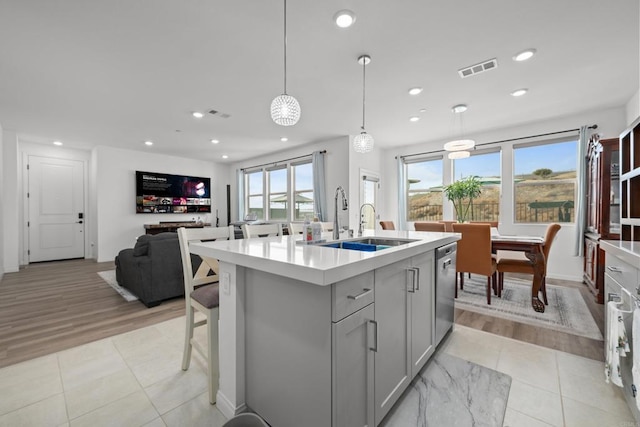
[581, 346]
[49, 307]
[53, 306]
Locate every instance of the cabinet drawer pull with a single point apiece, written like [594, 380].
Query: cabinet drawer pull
[414, 273]
[614, 269]
[364, 292]
[375, 335]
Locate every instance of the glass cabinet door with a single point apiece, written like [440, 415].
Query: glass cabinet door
[614, 194]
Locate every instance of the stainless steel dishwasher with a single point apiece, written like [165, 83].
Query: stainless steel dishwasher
[445, 289]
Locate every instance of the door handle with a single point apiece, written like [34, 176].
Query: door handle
[375, 335]
[79, 222]
[614, 269]
[413, 280]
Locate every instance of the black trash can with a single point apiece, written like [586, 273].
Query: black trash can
[247, 419]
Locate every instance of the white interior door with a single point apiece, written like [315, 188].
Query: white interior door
[369, 185]
[56, 209]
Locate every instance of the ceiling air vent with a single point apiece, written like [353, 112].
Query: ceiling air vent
[478, 68]
[219, 114]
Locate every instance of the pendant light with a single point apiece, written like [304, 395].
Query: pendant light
[363, 143]
[458, 146]
[285, 109]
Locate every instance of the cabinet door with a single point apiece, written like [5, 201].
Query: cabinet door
[590, 262]
[353, 370]
[422, 294]
[392, 360]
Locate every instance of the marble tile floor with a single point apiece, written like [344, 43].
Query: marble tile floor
[134, 379]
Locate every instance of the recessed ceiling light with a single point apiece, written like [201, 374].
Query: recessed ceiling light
[460, 108]
[519, 92]
[197, 114]
[414, 118]
[148, 143]
[423, 110]
[224, 156]
[284, 139]
[215, 141]
[415, 90]
[524, 55]
[344, 18]
[57, 143]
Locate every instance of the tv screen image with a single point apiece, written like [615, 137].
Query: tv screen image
[165, 193]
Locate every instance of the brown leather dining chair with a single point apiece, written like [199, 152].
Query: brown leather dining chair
[517, 262]
[493, 224]
[429, 226]
[448, 225]
[387, 225]
[474, 255]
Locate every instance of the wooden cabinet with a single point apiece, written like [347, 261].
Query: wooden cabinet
[405, 319]
[603, 209]
[630, 182]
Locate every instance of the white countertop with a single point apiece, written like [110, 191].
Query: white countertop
[625, 250]
[317, 264]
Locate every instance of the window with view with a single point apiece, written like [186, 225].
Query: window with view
[278, 197]
[282, 193]
[545, 182]
[303, 191]
[424, 190]
[255, 194]
[486, 167]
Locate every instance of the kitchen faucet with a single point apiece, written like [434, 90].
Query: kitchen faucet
[345, 205]
[361, 222]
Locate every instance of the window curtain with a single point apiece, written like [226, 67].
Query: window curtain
[402, 195]
[240, 183]
[581, 197]
[319, 188]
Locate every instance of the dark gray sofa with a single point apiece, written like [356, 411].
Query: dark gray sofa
[152, 270]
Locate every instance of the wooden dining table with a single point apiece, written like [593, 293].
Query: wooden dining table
[531, 246]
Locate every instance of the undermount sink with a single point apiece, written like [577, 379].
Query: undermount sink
[368, 244]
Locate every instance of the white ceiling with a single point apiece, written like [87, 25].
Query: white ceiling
[118, 72]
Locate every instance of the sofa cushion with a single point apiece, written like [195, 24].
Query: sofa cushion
[142, 244]
[207, 295]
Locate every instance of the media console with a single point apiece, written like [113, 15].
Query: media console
[172, 226]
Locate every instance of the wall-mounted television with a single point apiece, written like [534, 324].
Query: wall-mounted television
[164, 193]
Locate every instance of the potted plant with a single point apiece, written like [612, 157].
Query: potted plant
[462, 193]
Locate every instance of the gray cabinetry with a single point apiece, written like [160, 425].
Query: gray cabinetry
[404, 312]
[393, 365]
[353, 344]
[422, 297]
[622, 282]
[338, 355]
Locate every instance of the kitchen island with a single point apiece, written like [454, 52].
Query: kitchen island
[306, 331]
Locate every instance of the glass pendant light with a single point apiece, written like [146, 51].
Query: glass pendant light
[363, 143]
[285, 109]
[461, 144]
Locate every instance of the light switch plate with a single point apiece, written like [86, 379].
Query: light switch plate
[225, 283]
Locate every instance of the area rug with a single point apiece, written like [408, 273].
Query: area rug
[566, 312]
[109, 276]
[452, 392]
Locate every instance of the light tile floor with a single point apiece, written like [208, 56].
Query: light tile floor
[134, 379]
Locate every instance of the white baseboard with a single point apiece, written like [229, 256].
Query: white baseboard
[227, 408]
